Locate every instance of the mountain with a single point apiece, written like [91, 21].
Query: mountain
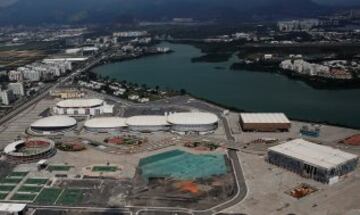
[114, 11]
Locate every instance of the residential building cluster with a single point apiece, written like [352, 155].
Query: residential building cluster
[40, 71]
[328, 69]
[298, 25]
[130, 34]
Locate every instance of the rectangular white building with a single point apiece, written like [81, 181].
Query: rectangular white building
[17, 88]
[311, 160]
[264, 122]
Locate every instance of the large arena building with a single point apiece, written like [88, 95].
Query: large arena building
[193, 122]
[105, 124]
[147, 123]
[321, 163]
[264, 122]
[82, 107]
[29, 150]
[53, 125]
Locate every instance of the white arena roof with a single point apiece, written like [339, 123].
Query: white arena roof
[12, 146]
[264, 118]
[192, 118]
[148, 120]
[106, 122]
[54, 121]
[79, 103]
[313, 154]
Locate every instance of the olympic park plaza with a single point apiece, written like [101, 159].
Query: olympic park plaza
[65, 113]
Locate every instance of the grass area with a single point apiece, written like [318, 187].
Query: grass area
[18, 174]
[36, 181]
[104, 169]
[23, 197]
[70, 197]
[3, 196]
[31, 189]
[48, 196]
[59, 168]
[6, 187]
[10, 180]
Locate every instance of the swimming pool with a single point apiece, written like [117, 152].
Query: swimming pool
[183, 165]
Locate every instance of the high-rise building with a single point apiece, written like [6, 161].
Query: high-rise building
[17, 88]
[7, 97]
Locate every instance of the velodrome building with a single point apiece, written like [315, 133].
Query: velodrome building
[82, 107]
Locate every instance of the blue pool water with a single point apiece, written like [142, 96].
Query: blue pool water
[182, 165]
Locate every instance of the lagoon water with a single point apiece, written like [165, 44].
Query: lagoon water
[246, 90]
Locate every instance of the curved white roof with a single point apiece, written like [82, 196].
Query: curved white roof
[148, 120]
[54, 121]
[192, 118]
[106, 122]
[79, 103]
[12, 146]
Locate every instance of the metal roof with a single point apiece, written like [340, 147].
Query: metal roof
[313, 154]
[106, 122]
[192, 118]
[147, 120]
[11, 208]
[264, 118]
[80, 103]
[54, 121]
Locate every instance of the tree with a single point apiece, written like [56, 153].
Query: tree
[182, 91]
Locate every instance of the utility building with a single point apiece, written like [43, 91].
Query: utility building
[310, 160]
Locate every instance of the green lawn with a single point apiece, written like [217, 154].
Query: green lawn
[3, 196]
[70, 197]
[48, 196]
[104, 169]
[7, 187]
[59, 168]
[10, 180]
[31, 189]
[18, 174]
[36, 181]
[23, 197]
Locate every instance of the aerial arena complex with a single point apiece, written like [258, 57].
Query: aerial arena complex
[27, 150]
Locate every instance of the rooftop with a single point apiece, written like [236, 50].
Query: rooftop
[54, 121]
[106, 122]
[264, 118]
[79, 103]
[147, 120]
[192, 118]
[313, 154]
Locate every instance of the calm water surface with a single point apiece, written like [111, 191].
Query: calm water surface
[247, 90]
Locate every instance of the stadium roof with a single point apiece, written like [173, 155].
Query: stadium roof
[148, 120]
[192, 118]
[79, 103]
[54, 121]
[106, 122]
[313, 154]
[12, 146]
[264, 118]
